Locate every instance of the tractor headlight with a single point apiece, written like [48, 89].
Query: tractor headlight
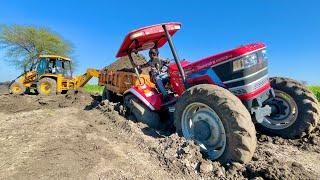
[245, 62]
[264, 54]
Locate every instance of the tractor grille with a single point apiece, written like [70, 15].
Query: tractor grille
[260, 83]
[240, 90]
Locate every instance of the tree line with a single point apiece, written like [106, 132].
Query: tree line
[22, 45]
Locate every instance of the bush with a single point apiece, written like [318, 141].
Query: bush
[316, 91]
[92, 88]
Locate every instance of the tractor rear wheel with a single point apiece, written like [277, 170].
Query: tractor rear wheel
[47, 86]
[141, 112]
[17, 88]
[295, 110]
[218, 122]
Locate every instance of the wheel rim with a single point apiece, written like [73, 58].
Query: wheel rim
[45, 88]
[284, 111]
[201, 124]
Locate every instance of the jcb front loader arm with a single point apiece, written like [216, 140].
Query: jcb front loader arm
[82, 80]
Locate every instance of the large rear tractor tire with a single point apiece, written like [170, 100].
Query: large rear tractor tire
[141, 112]
[108, 95]
[217, 121]
[47, 86]
[17, 88]
[295, 110]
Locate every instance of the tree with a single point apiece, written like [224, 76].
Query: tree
[24, 44]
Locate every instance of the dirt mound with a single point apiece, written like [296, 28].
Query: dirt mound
[124, 63]
[79, 128]
[20, 103]
[4, 87]
[308, 143]
[269, 163]
[178, 155]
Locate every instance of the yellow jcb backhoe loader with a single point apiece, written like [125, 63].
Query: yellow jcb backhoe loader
[52, 75]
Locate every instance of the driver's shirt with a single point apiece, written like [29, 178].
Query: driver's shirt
[156, 63]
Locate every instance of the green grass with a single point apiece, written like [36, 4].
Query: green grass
[92, 88]
[316, 91]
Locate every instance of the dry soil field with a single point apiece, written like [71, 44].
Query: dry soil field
[75, 136]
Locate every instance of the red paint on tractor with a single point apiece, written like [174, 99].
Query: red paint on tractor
[208, 62]
[146, 38]
[148, 95]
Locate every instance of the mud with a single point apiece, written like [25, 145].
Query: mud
[4, 88]
[178, 155]
[124, 62]
[75, 136]
[21, 103]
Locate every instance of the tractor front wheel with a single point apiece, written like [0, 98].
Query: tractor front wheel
[17, 88]
[218, 122]
[47, 86]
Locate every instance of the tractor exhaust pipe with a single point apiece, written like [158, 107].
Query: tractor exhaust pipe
[175, 55]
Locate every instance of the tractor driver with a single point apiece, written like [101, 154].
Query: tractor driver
[159, 71]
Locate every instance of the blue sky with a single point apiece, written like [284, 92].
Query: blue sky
[291, 29]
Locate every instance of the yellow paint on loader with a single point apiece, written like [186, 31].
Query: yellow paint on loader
[51, 83]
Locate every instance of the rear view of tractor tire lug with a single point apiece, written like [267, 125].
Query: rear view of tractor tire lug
[302, 112]
[109, 95]
[141, 113]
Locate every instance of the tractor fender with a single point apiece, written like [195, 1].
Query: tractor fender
[149, 96]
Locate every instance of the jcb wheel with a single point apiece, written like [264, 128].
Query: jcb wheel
[47, 86]
[17, 88]
[218, 122]
[295, 110]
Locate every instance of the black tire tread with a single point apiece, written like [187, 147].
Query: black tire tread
[108, 95]
[141, 112]
[242, 135]
[308, 108]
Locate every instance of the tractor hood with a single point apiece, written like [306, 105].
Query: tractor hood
[221, 58]
[146, 38]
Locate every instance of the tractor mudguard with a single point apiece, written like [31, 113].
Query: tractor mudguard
[148, 95]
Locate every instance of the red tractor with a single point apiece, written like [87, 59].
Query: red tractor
[216, 101]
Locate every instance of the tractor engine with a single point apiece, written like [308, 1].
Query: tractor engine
[247, 78]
